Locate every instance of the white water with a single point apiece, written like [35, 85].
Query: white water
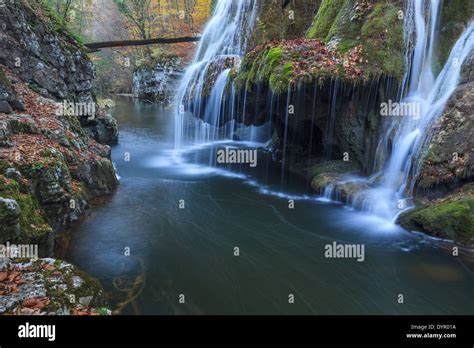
[412, 133]
[225, 37]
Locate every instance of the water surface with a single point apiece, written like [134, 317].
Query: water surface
[190, 251]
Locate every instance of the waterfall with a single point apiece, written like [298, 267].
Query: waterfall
[223, 42]
[426, 93]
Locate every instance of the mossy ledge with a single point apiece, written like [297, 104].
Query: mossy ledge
[287, 63]
[449, 218]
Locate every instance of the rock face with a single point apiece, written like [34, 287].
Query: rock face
[50, 168]
[38, 49]
[8, 98]
[449, 160]
[159, 83]
[51, 164]
[48, 287]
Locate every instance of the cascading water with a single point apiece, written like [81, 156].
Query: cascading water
[412, 132]
[222, 44]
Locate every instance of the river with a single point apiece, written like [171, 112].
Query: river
[180, 224]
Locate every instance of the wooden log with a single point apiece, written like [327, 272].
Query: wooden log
[95, 46]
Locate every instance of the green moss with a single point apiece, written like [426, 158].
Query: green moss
[346, 45]
[32, 222]
[265, 67]
[344, 28]
[454, 17]
[270, 62]
[378, 29]
[320, 181]
[69, 298]
[34, 87]
[281, 77]
[274, 24]
[274, 55]
[452, 219]
[4, 80]
[382, 37]
[58, 25]
[4, 165]
[336, 167]
[325, 18]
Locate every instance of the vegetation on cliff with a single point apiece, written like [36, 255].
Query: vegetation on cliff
[347, 40]
[284, 64]
[377, 28]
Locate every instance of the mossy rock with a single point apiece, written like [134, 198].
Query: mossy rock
[448, 159]
[325, 18]
[273, 23]
[378, 28]
[335, 167]
[69, 290]
[382, 37]
[5, 81]
[334, 174]
[454, 18]
[33, 226]
[450, 219]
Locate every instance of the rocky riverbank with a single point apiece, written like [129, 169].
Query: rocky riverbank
[48, 287]
[54, 158]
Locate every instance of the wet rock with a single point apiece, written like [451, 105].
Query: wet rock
[449, 218]
[336, 179]
[216, 67]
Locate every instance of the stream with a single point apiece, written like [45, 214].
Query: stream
[181, 221]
